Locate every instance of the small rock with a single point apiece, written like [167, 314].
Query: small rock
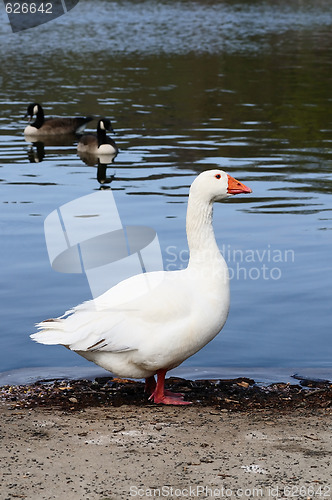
[194, 462]
[243, 383]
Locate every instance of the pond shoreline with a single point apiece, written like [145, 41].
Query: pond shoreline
[235, 395]
[261, 375]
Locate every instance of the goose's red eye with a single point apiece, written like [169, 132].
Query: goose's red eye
[217, 176]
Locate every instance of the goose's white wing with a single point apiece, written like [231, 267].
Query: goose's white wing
[125, 317]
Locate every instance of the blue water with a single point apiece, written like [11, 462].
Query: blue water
[253, 99]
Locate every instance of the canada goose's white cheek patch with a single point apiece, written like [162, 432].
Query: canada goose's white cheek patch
[35, 110]
[102, 126]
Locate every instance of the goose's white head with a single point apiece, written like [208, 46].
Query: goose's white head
[216, 185]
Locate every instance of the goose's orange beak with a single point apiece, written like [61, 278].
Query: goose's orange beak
[236, 187]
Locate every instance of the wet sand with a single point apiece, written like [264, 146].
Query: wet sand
[98, 440]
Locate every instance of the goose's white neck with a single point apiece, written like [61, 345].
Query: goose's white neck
[203, 248]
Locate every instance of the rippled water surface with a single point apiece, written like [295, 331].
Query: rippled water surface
[188, 85]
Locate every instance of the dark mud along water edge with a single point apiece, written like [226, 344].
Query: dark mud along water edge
[236, 395]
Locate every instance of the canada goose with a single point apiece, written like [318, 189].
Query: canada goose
[53, 126]
[100, 143]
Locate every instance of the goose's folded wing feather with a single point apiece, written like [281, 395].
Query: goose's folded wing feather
[123, 318]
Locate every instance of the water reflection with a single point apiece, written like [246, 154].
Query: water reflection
[102, 177]
[36, 152]
[54, 140]
[103, 162]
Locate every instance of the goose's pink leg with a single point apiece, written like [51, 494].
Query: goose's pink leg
[150, 385]
[159, 395]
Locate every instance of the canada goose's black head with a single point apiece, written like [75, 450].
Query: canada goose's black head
[105, 124]
[34, 109]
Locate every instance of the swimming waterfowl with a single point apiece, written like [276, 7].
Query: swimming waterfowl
[53, 126]
[150, 323]
[100, 143]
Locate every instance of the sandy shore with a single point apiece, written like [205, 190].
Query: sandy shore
[143, 451]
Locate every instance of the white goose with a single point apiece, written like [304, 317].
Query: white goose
[150, 323]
